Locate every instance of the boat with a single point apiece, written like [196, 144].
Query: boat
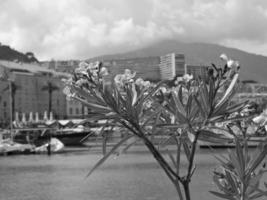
[54, 144]
[9, 147]
[72, 136]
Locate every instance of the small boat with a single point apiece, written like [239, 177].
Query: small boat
[72, 136]
[55, 146]
[8, 147]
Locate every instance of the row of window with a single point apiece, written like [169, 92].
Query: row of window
[77, 111]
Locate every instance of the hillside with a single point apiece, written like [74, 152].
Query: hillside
[254, 67]
[7, 53]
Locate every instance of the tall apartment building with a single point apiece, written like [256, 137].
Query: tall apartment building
[172, 65]
[30, 95]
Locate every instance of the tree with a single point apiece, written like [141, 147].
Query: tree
[12, 87]
[50, 88]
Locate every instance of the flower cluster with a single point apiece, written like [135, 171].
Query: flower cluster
[262, 118]
[128, 77]
[142, 84]
[184, 79]
[230, 62]
[122, 79]
[91, 69]
[87, 75]
[232, 66]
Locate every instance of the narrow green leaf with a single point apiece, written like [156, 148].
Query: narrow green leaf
[221, 195]
[179, 106]
[186, 150]
[106, 156]
[228, 92]
[240, 157]
[258, 159]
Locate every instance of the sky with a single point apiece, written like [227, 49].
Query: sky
[80, 29]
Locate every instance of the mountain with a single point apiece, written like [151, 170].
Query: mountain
[7, 53]
[253, 67]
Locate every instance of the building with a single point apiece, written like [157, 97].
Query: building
[75, 109]
[145, 67]
[171, 65]
[196, 70]
[30, 94]
[254, 92]
[67, 66]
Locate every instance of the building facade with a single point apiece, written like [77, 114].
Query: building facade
[30, 93]
[67, 66]
[171, 65]
[145, 67]
[75, 109]
[197, 70]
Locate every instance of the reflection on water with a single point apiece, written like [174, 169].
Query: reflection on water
[128, 177]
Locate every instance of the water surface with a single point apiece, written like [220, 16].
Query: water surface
[132, 176]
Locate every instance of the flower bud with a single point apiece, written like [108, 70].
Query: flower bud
[224, 57]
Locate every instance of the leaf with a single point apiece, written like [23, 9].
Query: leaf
[163, 143]
[210, 136]
[151, 92]
[221, 195]
[95, 107]
[132, 141]
[228, 92]
[171, 157]
[178, 103]
[234, 161]
[106, 156]
[186, 150]
[222, 187]
[201, 109]
[259, 156]
[203, 99]
[231, 181]
[211, 92]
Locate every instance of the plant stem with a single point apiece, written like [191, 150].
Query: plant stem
[186, 190]
[192, 156]
[178, 189]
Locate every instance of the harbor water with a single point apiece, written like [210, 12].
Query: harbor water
[131, 176]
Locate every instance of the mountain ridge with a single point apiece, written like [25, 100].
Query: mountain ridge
[253, 66]
[7, 53]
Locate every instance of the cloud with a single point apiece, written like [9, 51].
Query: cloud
[66, 29]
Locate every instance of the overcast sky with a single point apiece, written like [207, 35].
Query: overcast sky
[67, 29]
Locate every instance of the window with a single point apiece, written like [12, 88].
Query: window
[4, 103]
[70, 110]
[77, 111]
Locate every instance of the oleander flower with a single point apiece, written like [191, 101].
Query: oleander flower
[68, 81]
[103, 71]
[232, 63]
[68, 92]
[262, 118]
[185, 78]
[122, 79]
[81, 82]
[224, 57]
[142, 84]
[82, 69]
